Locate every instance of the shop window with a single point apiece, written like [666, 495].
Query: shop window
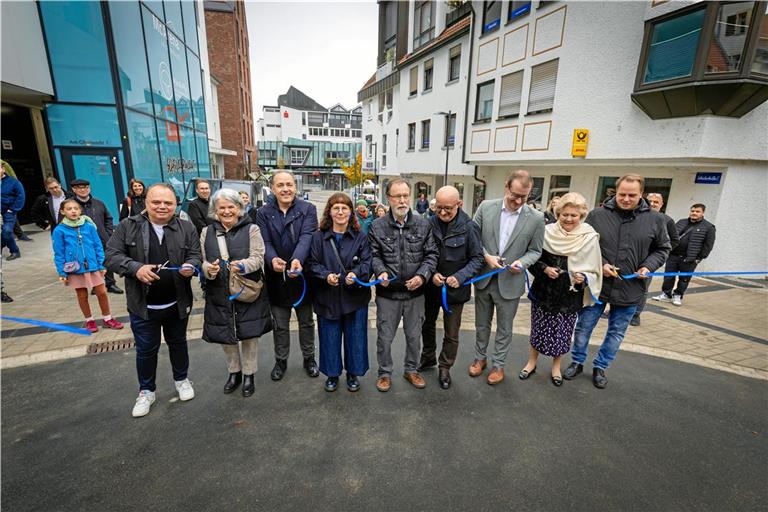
[729, 37]
[606, 189]
[541, 97]
[188, 153]
[491, 16]
[478, 195]
[518, 10]
[537, 191]
[454, 63]
[511, 93]
[558, 186]
[83, 125]
[484, 106]
[170, 154]
[673, 47]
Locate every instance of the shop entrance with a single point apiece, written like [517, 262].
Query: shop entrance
[101, 168]
[606, 188]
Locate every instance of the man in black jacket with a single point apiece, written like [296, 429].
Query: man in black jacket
[633, 240]
[461, 258]
[158, 298]
[45, 210]
[404, 250]
[198, 208]
[99, 214]
[697, 237]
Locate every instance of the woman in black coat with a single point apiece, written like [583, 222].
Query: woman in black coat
[134, 203]
[232, 243]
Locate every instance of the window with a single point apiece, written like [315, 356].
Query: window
[383, 161]
[390, 24]
[190, 24]
[673, 47]
[298, 156]
[428, 68]
[760, 64]
[518, 10]
[384, 144]
[450, 133]
[337, 155]
[268, 154]
[454, 63]
[368, 144]
[316, 118]
[414, 81]
[541, 97]
[424, 23]
[196, 91]
[491, 16]
[303, 119]
[511, 92]
[131, 63]
[412, 136]
[425, 134]
[729, 37]
[143, 143]
[484, 106]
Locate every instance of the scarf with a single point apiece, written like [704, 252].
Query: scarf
[77, 223]
[582, 248]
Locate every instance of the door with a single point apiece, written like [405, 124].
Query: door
[102, 169]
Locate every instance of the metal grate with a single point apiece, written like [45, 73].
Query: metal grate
[109, 346]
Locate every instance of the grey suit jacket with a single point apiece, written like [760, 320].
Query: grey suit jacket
[524, 244]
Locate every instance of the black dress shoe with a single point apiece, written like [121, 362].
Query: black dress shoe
[572, 371]
[278, 372]
[524, 374]
[352, 383]
[444, 378]
[311, 367]
[248, 387]
[557, 381]
[598, 378]
[114, 289]
[233, 382]
[331, 383]
[6, 297]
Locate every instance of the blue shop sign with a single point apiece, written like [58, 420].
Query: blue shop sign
[708, 178]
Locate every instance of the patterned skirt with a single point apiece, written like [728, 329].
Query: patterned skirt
[551, 333]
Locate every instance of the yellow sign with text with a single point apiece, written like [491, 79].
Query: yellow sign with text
[580, 141]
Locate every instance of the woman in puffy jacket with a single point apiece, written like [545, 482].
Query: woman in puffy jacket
[79, 258]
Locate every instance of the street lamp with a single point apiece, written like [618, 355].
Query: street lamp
[447, 141]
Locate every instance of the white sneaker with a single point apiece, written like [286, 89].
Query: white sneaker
[143, 403]
[184, 387]
[662, 297]
[677, 300]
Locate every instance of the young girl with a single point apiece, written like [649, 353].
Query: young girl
[79, 259]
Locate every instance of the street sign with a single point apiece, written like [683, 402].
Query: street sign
[709, 178]
[580, 141]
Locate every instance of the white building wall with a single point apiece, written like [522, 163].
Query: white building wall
[23, 48]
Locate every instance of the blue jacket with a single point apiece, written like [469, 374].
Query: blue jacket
[288, 237]
[12, 194]
[365, 223]
[333, 301]
[67, 247]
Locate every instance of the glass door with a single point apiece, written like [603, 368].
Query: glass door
[102, 169]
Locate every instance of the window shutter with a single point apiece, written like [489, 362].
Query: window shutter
[414, 79]
[455, 51]
[511, 92]
[543, 81]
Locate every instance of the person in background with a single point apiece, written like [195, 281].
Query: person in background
[246, 201]
[364, 216]
[46, 208]
[12, 201]
[237, 325]
[549, 214]
[697, 238]
[198, 208]
[17, 229]
[567, 277]
[422, 204]
[339, 254]
[79, 258]
[133, 204]
[432, 208]
[98, 213]
[381, 211]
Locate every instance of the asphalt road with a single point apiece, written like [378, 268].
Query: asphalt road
[662, 436]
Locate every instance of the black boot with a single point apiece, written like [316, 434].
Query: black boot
[233, 382]
[444, 378]
[598, 378]
[248, 387]
[311, 366]
[572, 371]
[278, 372]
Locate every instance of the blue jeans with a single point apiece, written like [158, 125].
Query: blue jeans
[353, 327]
[147, 336]
[618, 321]
[8, 240]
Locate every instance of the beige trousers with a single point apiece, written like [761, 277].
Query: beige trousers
[245, 362]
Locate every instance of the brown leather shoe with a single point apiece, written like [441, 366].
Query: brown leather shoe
[416, 379]
[496, 376]
[383, 384]
[477, 367]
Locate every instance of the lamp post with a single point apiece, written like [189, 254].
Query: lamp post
[447, 141]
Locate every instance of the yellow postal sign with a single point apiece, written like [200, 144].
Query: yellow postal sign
[580, 141]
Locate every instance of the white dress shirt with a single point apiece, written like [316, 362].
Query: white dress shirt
[507, 226]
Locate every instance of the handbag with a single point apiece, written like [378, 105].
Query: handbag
[242, 288]
[70, 267]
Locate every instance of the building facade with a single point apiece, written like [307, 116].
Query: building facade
[114, 91]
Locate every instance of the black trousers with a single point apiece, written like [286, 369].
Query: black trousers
[451, 327]
[675, 264]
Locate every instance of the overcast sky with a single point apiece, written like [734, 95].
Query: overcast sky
[325, 49]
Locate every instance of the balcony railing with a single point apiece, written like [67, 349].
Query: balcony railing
[458, 13]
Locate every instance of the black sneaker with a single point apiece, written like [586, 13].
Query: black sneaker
[572, 371]
[598, 378]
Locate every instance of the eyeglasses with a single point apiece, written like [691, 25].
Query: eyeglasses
[447, 209]
[516, 197]
[400, 197]
[340, 209]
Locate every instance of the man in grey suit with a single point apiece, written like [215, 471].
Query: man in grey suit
[512, 234]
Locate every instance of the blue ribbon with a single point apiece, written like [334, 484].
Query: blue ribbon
[303, 283]
[444, 293]
[686, 274]
[586, 282]
[49, 325]
[372, 283]
[492, 273]
[197, 270]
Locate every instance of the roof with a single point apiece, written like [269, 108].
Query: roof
[446, 35]
[294, 98]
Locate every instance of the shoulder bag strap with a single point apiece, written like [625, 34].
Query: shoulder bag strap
[336, 253]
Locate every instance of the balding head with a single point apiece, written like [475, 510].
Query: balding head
[447, 203]
[448, 193]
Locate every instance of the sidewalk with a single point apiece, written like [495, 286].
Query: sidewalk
[723, 324]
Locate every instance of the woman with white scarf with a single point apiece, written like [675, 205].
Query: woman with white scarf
[567, 277]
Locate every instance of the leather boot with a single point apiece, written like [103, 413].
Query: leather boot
[248, 387]
[278, 372]
[233, 382]
[310, 366]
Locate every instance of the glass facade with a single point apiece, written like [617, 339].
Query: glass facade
[150, 108]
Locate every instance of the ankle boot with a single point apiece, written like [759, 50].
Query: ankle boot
[279, 370]
[233, 382]
[248, 387]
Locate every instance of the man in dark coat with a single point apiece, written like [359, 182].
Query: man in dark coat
[697, 237]
[158, 298]
[198, 208]
[402, 247]
[99, 214]
[287, 224]
[633, 240]
[45, 210]
[656, 202]
[461, 258]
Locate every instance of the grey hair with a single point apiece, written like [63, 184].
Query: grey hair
[228, 194]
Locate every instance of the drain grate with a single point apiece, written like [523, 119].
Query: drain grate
[109, 346]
